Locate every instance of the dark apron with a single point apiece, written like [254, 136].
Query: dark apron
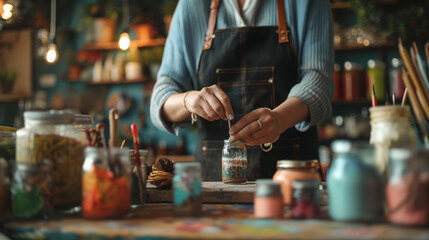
[256, 67]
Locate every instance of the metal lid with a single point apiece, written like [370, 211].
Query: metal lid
[237, 143]
[267, 188]
[48, 117]
[187, 166]
[82, 119]
[282, 164]
[307, 183]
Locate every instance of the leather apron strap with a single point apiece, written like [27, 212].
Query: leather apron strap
[281, 18]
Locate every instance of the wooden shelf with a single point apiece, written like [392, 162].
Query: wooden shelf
[340, 5]
[115, 46]
[122, 81]
[362, 47]
[13, 97]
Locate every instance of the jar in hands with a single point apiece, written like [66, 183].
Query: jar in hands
[187, 189]
[407, 188]
[268, 199]
[51, 135]
[290, 170]
[106, 183]
[390, 128]
[354, 184]
[234, 162]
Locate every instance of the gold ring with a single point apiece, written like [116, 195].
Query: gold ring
[266, 147]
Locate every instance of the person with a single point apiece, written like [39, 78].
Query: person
[264, 66]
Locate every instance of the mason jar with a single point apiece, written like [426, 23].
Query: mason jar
[51, 135]
[106, 183]
[407, 188]
[187, 189]
[234, 162]
[305, 199]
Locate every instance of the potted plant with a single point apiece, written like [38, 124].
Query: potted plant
[7, 80]
[147, 19]
[102, 16]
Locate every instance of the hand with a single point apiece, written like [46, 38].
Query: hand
[211, 103]
[257, 127]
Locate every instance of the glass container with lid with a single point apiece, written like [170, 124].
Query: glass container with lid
[83, 121]
[234, 162]
[51, 135]
[187, 189]
[290, 170]
[268, 199]
[305, 199]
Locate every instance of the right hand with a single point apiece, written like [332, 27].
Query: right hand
[211, 103]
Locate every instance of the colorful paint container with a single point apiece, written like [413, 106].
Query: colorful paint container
[305, 199]
[187, 189]
[268, 199]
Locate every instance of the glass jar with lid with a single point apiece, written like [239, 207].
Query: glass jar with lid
[290, 170]
[51, 135]
[353, 81]
[187, 189]
[354, 184]
[106, 183]
[268, 201]
[234, 162]
[375, 77]
[407, 188]
[390, 128]
[83, 121]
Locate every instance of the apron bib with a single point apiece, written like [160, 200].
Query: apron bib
[256, 67]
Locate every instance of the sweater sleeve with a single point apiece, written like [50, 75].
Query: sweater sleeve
[316, 66]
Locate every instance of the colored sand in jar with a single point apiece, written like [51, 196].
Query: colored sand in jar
[408, 202]
[234, 170]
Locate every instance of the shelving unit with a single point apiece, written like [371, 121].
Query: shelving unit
[114, 45]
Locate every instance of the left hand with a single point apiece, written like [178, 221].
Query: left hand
[252, 132]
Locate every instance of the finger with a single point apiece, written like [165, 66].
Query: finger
[243, 122]
[246, 131]
[202, 113]
[226, 103]
[217, 106]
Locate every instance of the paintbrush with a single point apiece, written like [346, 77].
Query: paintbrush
[420, 66]
[427, 54]
[123, 143]
[393, 97]
[138, 162]
[373, 97]
[404, 98]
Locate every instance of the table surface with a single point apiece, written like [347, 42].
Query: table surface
[219, 221]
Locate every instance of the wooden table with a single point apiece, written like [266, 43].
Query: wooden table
[154, 221]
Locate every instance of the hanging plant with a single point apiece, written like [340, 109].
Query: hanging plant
[405, 19]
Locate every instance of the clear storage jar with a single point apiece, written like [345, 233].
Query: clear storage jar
[106, 183]
[291, 170]
[390, 128]
[407, 188]
[51, 135]
[234, 162]
[187, 189]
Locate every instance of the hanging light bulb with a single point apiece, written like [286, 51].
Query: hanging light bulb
[6, 15]
[7, 7]
[52, 54]
[124, 41]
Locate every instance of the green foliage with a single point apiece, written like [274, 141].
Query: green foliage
[151, 55]
[7, 76]
[405, 19]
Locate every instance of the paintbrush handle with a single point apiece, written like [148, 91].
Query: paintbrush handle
[113, 128]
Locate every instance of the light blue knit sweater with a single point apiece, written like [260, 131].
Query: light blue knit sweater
[310, 23]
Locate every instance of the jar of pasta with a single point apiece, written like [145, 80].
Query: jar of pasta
[51, 135]
[290, 170]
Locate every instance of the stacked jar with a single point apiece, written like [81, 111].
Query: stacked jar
[51, 135]
[291, 170]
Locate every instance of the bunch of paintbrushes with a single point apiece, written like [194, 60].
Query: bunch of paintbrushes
[415, 77]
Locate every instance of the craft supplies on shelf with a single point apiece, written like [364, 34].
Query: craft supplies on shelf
[268, 201]
[291, 170]
[234, 162]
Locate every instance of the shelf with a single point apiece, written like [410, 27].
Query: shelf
[340, 5]
[143, 79]
[370, 47]
[12, 97]
[114, 45]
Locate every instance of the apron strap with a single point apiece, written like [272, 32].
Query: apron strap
[214, 6]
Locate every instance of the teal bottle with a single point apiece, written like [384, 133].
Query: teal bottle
[355, 190]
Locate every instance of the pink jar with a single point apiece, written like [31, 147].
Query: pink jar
[268, 199]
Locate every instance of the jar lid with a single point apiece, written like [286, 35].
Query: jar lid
[400, 154]
[375, 63]
[396, 62]
[305, 183]
[236, 143]
[83, 119]
[345, 146]
[348, 66]
[48, 117]
[298, 163]
[267, 188]
[187, 166]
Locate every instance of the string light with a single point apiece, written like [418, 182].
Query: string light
[124, 41]
[52, 54]
[6, 15]
[7, 11]
[7, 7]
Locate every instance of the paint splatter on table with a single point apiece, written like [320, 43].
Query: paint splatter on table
[154, 221]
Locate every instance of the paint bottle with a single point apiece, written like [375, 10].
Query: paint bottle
[407, 188]
[305, 199]
[187, 189]
[268, 199]
[234, 162]
[290, 170]
[354, 184]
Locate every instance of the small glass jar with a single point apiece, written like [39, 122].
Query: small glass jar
[51, 135]
[234, 162]
[390, 128]
[353, 81]
[291, 170]
[354, 184]
[139, 179]
[396, 82]
[187, 189]
[4, 188]
[407, 188]
[337, 82]
[32, 190]
[375, 77]
[268, 199]
[106, 183]
[305, 199]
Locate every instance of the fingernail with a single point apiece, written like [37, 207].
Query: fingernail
[231, 139]
[231, 117]
[231, 132]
